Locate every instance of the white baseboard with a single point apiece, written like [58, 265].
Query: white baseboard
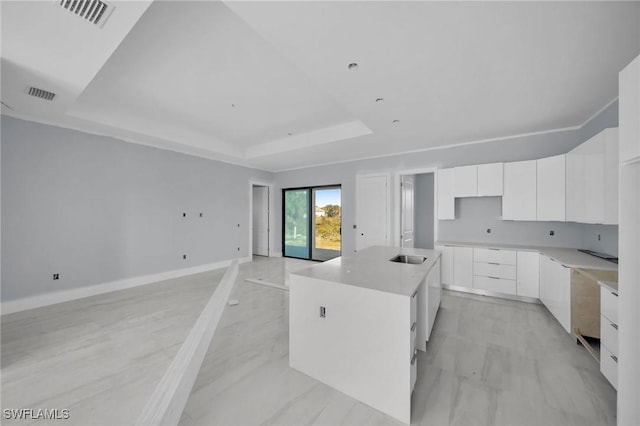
[53, 298]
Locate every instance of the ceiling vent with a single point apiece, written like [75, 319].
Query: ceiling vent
[42, 94]
[94, 11]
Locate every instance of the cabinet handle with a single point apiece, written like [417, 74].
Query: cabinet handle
[494, 278]
[415, 357]
[613, 357]
[614, 326]
[492, 263]
[615, 294]
[494, 249]
[413, 326]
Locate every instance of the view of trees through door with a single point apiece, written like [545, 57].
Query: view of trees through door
[312, 222]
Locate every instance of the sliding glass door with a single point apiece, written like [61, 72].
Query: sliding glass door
[312, 222]
[296, 222]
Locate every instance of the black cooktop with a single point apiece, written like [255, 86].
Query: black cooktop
[604, 256]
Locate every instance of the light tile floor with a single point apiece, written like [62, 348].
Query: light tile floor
[489, 361]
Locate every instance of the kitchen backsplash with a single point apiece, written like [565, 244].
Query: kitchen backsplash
[475, 216]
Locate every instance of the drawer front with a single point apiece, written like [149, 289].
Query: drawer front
[414, 368]
[495, 270]
[496, 285]
[414, 336]
[484, 255]
[414, 308]
[609, 305]
[609, 335]
[609, 366]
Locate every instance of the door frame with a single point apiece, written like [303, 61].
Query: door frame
[389, 210]
[271, 222]
[397, 205]
[312, 214]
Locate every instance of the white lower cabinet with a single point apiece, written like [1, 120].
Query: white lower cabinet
[555, 290]
[446, 264]
[528, 274]
[609, 335]
[463, 267]
[494, 270]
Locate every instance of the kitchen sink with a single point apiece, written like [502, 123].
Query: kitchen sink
[405, 258]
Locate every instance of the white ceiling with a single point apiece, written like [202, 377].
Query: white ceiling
[266, 84]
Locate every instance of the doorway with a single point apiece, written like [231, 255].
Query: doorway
[260, 220]
[312, 222]
[417, 207]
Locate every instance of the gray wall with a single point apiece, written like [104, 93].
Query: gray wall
[514, 149]
[96, 209]
[424, 210]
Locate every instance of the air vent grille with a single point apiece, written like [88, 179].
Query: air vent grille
[42, 94]
[94, 11]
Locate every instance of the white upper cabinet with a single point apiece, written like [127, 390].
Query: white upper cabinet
[575, 185]
[592, 180]
[490, 180]
[519, 198]
[629, 111]
[551, 188]
[611, 177]
[446, 199]
[465, 181]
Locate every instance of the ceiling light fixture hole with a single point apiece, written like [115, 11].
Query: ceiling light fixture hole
[396, 121]
[352, 66]
[379, 99]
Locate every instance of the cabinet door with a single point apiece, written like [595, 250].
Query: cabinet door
[446, 264]
[629, 111]
[611, 176]
[446, 200]
[463, 267]
[550, 192]
[575, 186]
[490, 180]
[519, 200]
[555, 290]
[594, 179]
[528, 274]
[465, 181]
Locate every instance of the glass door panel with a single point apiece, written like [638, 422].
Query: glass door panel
[296, 222]
[327, 223]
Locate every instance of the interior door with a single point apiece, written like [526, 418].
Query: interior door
[261, 220]
[373, 214]
[407, 195]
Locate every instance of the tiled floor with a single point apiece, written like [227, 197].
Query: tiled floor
[489, 361]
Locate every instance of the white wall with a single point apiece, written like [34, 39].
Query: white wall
[96, 209]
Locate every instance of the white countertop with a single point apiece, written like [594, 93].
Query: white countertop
[567, 256]
[370, 268]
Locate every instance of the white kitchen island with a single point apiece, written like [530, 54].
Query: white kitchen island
[357, 322]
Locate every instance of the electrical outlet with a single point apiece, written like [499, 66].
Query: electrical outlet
[238, 248]
[552, 233]
[238, 225]
[323, 312]
[488, 230]
[56, 276]
[184, 215]
[184, 256]
[200, 214]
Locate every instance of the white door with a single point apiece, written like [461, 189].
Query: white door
[373, 211]
[407, 207]
[261, 220]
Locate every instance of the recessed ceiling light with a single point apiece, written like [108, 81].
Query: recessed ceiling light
[353, 66]
[233, 105]
[379, 99]
[290, 134]
[396, 121]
